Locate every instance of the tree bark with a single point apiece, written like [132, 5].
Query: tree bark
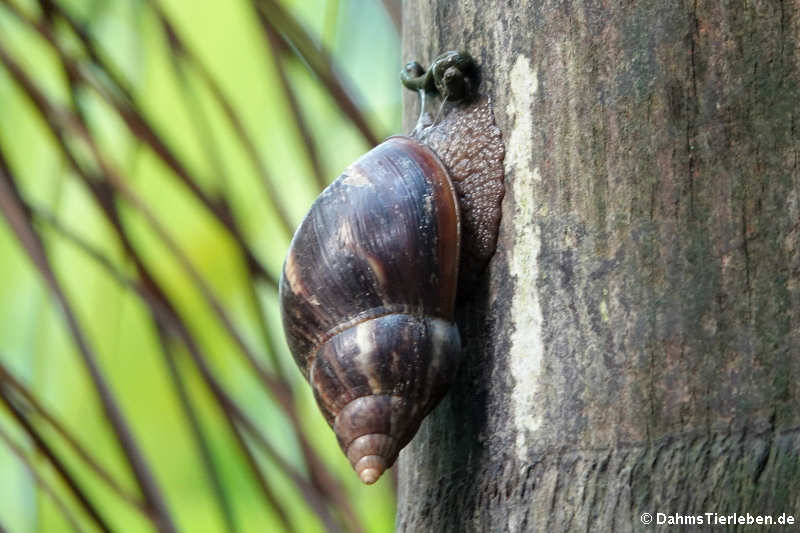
[635, 344]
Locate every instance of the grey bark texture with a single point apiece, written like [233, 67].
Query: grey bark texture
[635, 344]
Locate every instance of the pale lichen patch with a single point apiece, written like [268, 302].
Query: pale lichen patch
[524, 84]
[355, 177]
[291, 273]
[345, 235]
[526, 346]
[604, 310]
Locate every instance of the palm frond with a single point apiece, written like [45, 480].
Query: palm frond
[173, 213]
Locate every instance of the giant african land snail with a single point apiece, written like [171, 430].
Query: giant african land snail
[370, 282]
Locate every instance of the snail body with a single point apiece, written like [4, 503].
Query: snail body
[369, 286]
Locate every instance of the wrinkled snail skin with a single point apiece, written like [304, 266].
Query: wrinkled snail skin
[368, 296]
[370, 283]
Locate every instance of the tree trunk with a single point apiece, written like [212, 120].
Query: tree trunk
[635, 345]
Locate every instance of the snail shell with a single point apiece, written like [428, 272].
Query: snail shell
[369, 286]
[368, 295]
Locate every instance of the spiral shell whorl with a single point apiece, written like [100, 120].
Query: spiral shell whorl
[376, 381]
[383, 237]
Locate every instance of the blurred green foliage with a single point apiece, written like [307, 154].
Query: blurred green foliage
[249, 57]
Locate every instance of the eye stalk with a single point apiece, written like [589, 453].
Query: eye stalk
[452, 75]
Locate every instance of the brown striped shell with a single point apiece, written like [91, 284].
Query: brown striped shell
[368, 288]
[368, 294]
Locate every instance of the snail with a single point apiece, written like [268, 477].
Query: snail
[370, 283]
